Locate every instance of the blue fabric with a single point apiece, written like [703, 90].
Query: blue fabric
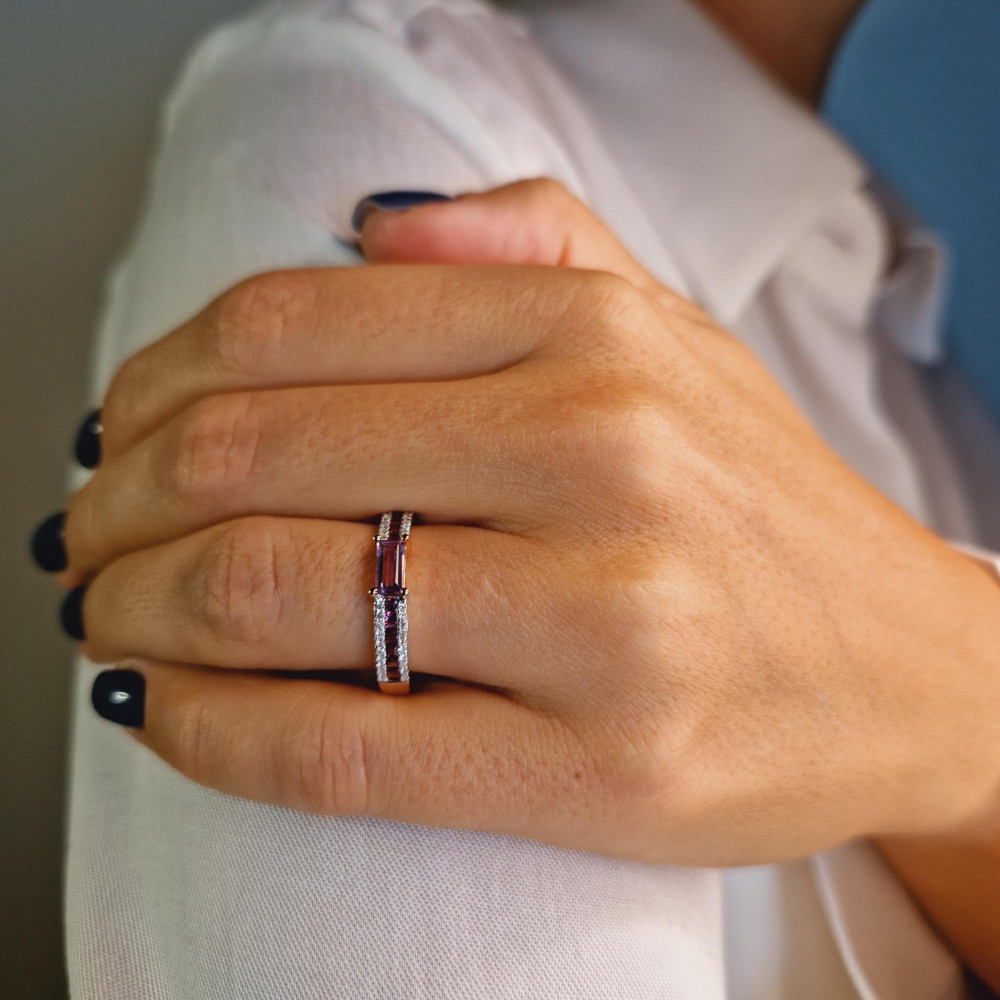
[915, 88]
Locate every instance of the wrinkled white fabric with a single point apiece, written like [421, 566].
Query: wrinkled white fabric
[725, 190]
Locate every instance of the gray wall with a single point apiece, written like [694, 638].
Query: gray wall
[80, 85]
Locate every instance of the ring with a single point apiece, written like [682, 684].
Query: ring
[389, 603]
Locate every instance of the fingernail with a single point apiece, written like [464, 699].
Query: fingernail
[71, 612]
[87, 449]
[120, 696]
[392, 201]
[47, 546]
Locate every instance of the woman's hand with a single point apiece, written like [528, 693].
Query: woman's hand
[664, 621]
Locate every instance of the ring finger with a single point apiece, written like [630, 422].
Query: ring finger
[286, 593]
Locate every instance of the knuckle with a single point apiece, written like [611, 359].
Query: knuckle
[624, 769]
[548, 191]
[609, 303]
[651, 773]
[609, 321]
[611, 433]
[213, 451]
[624, 606]
[130, 381]
[241, 597]
[250, 324]
[635, 471]
[664, 756]
[631, 434]
[332, 771]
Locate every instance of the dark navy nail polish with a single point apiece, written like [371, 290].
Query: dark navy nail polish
[119, 696]
[47, 546]
[87, 449]
[71, 612]
[392, 201]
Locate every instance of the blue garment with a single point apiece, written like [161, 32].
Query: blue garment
[915, 88]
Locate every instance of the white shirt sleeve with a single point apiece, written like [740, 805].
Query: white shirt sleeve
[280, 123]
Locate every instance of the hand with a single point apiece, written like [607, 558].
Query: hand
[662, 620]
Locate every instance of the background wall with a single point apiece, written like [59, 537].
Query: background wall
[80, 85]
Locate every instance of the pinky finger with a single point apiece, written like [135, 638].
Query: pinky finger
[451, 756]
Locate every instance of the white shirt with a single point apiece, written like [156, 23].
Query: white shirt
[724, 189]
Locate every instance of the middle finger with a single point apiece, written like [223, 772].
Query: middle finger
[448, 450]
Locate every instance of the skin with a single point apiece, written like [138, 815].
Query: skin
[955, 880]
[794, 40]
[663, 620]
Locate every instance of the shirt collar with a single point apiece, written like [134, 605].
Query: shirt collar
[731, 170]
[911, 306]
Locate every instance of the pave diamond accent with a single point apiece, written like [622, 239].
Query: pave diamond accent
[401, 654]
[380, 657]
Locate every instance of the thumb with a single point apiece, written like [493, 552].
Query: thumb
[527, 222]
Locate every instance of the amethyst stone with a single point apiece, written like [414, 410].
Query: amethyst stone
[389, 566]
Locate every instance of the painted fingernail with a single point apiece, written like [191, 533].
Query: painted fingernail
[120, 696]
[71, 612]
[47, 546]
[392, 201]
[87, 449]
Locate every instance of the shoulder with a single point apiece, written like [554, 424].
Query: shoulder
[433, 77]
[423, 51]
[311, 25]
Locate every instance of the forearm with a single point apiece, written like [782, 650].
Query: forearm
[957, 883]
[956, 879]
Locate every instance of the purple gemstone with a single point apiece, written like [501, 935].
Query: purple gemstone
[389, 577]
[391, 605]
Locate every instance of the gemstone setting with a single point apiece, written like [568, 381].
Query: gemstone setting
[390, 566]
[389, 602]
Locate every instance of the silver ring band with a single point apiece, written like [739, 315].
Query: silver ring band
[389, 619]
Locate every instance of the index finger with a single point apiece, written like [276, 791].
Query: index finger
[381, 323]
